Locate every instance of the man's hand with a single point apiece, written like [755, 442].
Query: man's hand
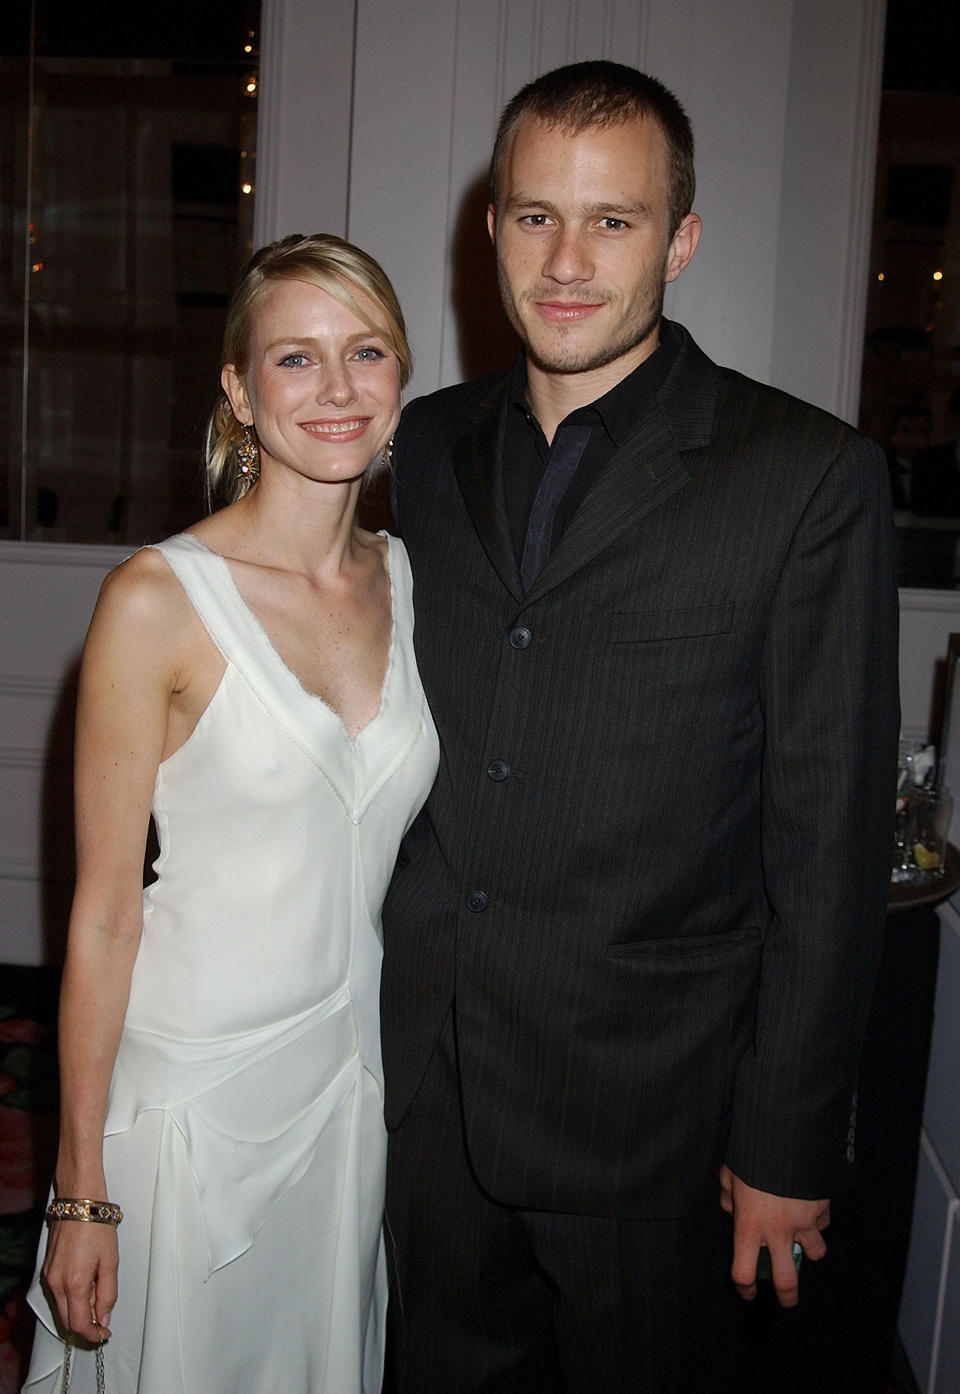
[759, 1219]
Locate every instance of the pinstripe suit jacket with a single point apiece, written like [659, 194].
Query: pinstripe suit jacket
[652, 871]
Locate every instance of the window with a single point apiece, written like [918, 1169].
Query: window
[127, 145]
[911, 368]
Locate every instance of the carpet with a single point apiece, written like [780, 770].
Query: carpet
[28, 1142]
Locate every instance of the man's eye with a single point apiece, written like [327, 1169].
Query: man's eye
[614, 224]
[535, 219]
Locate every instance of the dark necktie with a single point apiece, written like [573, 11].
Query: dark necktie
[565, 455]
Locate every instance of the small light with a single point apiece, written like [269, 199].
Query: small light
[251, 87]
[881, 276]
[246, 188]
[248, 48]
[37, 266]
[938, 275]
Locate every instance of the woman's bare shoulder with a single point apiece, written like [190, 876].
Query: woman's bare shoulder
[142, 592]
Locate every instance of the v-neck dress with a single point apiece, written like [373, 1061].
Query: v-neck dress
[244, 1133]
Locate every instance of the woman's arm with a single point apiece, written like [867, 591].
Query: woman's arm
[128, 674]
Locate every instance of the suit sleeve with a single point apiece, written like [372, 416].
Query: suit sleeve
[399, 443]
[831, 717]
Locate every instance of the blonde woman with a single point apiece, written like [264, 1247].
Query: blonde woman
[251, 683]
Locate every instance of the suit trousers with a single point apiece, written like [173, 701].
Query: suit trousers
[491, 1299]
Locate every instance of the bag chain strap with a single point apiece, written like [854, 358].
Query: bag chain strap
[68, 1361]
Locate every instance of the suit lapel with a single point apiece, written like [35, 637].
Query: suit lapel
[643, 473]
[647, 469]
[478, 466]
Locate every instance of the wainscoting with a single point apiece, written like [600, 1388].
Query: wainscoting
[47, 594]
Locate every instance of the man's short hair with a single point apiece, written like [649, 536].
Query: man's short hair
[600, 93]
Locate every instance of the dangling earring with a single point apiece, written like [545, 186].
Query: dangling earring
[386, 454]
[248, 457]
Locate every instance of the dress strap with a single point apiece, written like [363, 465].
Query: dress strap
[211, 590]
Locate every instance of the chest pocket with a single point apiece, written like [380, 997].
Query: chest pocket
[680, 622]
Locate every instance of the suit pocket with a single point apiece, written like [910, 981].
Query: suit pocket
[680, 622]
[686, 946]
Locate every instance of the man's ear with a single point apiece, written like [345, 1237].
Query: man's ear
[232, 384]
[683, 244]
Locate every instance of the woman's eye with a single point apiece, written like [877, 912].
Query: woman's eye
[293, 360]
[369, 354]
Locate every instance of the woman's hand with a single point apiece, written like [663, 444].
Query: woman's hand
[80, 1272]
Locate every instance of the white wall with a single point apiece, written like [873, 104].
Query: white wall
[47, 592]
[783, 94]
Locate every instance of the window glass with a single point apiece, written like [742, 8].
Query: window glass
[911, 371]
[126, 180]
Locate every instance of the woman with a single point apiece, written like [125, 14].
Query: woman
[252, 683]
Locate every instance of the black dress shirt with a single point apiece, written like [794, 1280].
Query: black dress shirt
[526, 454]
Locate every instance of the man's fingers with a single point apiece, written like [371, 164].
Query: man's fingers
[786, 1281]
[813, 1242]
[743, 1271]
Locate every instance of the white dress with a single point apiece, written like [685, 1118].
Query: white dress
[244, 1133]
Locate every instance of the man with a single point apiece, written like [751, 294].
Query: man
[631, 941]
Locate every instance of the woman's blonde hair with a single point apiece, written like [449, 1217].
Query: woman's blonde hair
[331, 264]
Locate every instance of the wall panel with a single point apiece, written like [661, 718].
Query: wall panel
[823, 237]
[418, 183]
[304, 116]
[47, 594]
[922, 1311]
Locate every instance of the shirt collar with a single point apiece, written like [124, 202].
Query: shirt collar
[618, 409]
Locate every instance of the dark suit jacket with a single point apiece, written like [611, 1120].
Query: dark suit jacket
[652, 870]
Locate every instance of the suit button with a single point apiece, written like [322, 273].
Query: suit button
[497, 770]
[477, 901]
[520, 637]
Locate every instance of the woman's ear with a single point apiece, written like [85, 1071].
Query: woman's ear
[232, 384]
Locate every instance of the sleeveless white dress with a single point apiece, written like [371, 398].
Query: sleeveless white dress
[244, 1133]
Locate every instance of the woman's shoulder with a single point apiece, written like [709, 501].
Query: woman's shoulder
[142, 590]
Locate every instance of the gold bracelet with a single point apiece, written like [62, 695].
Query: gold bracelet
[100, 1212]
